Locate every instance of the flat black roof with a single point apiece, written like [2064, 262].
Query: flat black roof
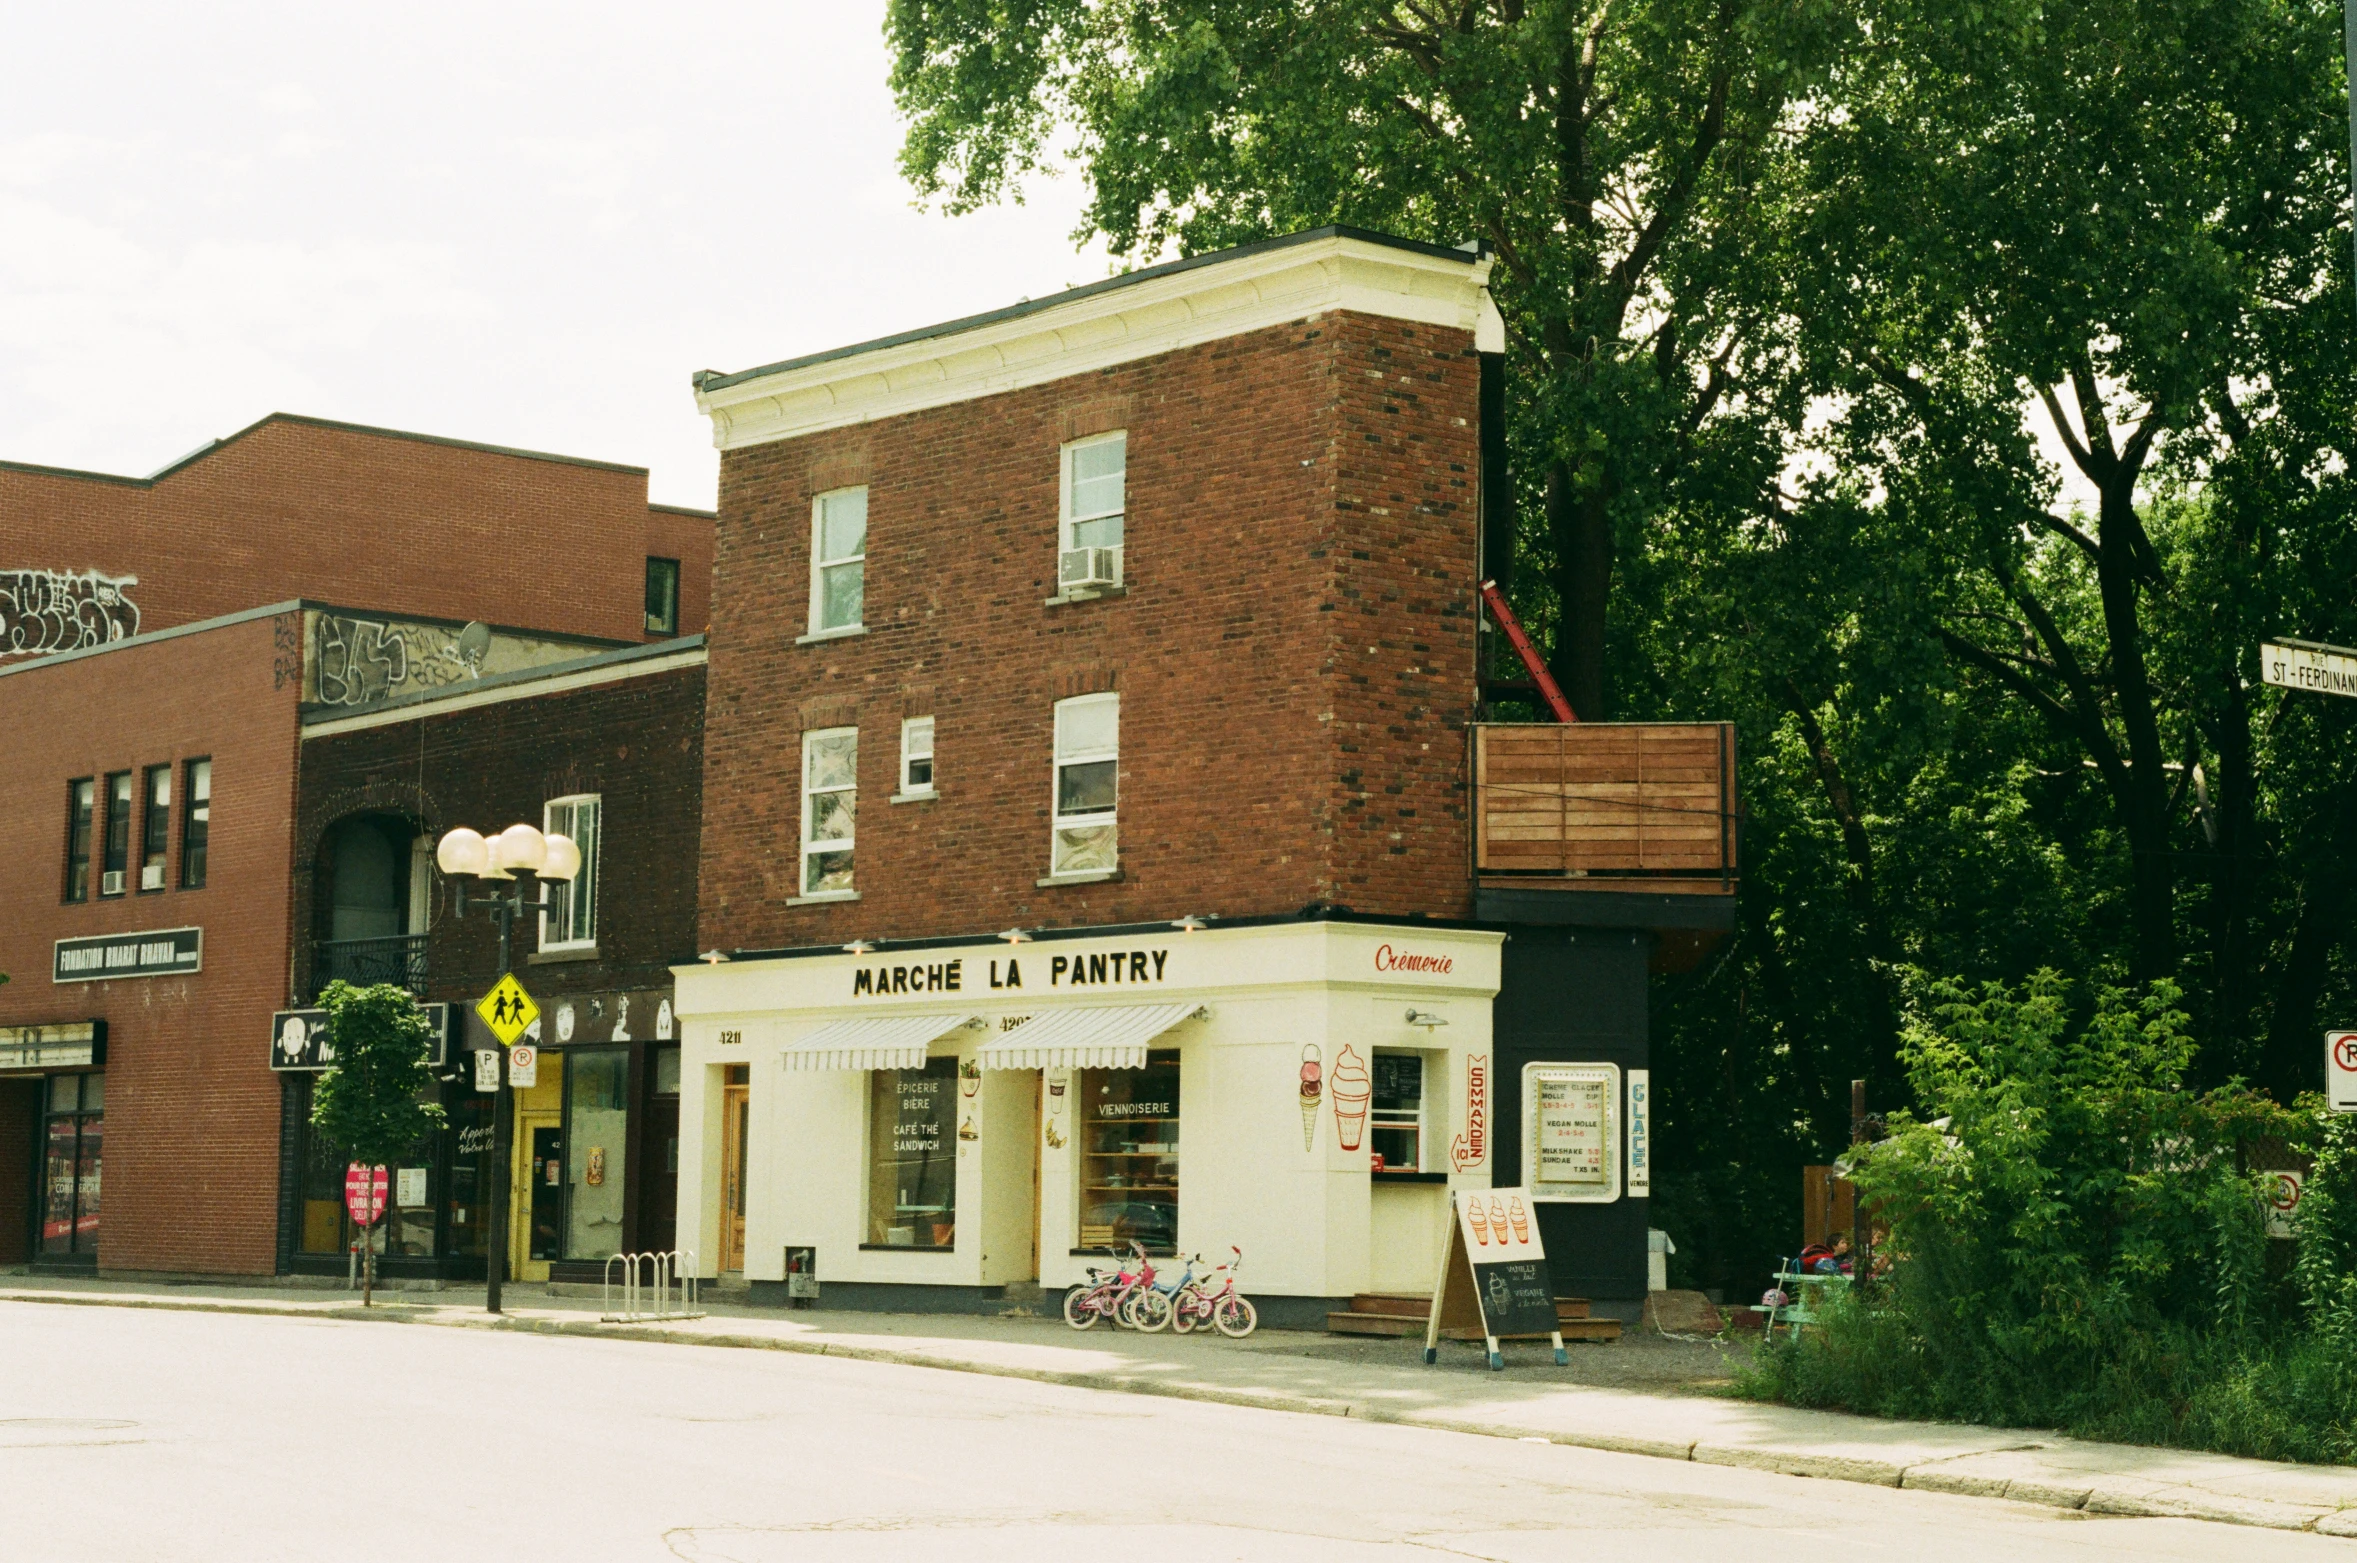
[713, 379]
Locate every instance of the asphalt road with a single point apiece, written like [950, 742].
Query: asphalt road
[152, 1437]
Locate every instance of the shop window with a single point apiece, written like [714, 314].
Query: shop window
[467, 1198]
[830, 802]
[73, 1136]
[1088, 763]
[80, 798]
[662, 596]
[1129, 1167]
[155, 826]
[1095, 483]
[596, 1140]
[325, 1227]
[115, 867]
[916, 757]
[196, 825]
[666, 1066]
[1398, 1112]
[568, 917]
[838, 560]
[913, 1157]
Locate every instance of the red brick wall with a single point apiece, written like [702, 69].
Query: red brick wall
[190, 1175]
[1295, 652]
[685, 535]
[297, 508]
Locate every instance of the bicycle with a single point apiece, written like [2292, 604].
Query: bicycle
[1153, 1306]
[1104, 1295]
[1224, 1308]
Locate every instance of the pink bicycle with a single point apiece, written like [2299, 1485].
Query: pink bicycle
[1111, 1294]
[1214, 1300]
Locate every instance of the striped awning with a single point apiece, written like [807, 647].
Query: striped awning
[873, 1042]
[1113, 1038]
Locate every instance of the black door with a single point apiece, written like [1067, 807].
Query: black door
[658, 1186]
[548, 1193]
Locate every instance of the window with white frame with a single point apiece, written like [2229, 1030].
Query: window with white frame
[568, 915]
[1088, 764]
[916, 756]
[838, 560]
[1398, 1117]
[1096, 481]
[830, 803]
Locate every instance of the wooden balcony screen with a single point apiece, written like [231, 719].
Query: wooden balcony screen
[1643, 800]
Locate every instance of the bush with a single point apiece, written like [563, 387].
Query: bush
[2076, 1240]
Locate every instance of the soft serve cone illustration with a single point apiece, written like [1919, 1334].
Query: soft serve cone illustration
[1497, 1217]
[1352, 1090]
[1521, 1219]
[1313, 1091]
[1477, 1217]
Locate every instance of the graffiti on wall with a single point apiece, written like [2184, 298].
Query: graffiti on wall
[43, 611]
[357, 662]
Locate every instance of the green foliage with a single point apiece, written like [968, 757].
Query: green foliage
[369, 1102]
[2077, 1242]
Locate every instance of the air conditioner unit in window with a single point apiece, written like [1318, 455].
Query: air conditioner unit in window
[111, 882]
[1087, 569]
[151, 876]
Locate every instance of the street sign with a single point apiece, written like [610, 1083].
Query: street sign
[364, 1194]
[523, 1067]
[2329, 670]
[2283, 1203]
[2340, 1070]
[487, 1069]
[508, 1010]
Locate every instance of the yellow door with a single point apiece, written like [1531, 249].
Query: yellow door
[536, 1217]
[736, 1114]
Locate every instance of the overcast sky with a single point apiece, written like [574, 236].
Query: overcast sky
[523, 224]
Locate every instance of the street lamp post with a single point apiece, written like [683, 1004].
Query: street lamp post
[468, 855]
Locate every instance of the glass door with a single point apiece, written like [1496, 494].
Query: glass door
[736, 1115]
[72, 1139]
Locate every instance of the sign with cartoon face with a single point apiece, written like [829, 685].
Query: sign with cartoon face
[299, 1042]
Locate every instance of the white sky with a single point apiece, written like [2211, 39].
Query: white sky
[525, 224]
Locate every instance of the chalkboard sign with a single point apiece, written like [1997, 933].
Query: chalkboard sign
[1494, 1274]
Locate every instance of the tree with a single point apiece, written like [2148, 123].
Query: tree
[370, 1102]
[1618, 155]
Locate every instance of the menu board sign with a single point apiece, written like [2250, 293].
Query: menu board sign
[1571, 1131]
[1494, 1276]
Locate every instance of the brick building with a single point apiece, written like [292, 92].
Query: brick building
[161, 672]
[1094, 748]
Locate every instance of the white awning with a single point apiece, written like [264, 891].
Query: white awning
[1114, 1038]
[873, 1042]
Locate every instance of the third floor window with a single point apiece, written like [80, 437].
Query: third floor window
[838, 560]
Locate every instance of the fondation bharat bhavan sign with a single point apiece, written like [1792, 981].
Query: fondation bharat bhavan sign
[160, 952]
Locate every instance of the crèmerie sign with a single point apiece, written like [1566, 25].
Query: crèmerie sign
[162, 952]
[69, 1045]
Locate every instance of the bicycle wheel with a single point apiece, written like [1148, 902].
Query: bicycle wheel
[1236, 1317]
[1183, 1315]
[1080, 1308]
[1150, 1311]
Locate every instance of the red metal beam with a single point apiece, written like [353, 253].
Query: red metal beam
[1527, 652]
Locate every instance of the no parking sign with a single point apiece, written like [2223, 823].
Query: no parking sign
[2340, 1070]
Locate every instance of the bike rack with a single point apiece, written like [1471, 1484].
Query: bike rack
[650, 1300]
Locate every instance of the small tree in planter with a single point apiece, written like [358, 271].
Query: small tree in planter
[368, 1102]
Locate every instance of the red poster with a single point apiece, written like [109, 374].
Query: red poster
[364, 1194]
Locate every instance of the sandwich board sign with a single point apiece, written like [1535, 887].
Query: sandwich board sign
[1493, 1275]
[2340, 1070]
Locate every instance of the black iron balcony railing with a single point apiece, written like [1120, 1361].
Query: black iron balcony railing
[400, 960]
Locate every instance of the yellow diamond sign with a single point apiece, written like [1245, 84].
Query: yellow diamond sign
[508, 1010]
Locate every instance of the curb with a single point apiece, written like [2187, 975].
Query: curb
[1926, 1476]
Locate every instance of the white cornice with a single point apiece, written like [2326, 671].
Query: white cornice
[1102, 326]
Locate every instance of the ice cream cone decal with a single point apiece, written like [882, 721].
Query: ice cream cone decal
[1521, 1219]
[1352, 1090]
[1497, 1217]
[1313, 1090]
[1478, 1218]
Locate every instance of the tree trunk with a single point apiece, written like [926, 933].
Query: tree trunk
[1579, 523]
[2144, 804]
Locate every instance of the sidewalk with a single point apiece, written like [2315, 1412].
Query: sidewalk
[1639, 1396]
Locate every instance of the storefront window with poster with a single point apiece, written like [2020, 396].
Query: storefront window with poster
[73, 1135]
[912, 1156]
[1129, 1169]
[597, 1138]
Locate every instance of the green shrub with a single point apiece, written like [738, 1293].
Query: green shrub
[2075, 1240]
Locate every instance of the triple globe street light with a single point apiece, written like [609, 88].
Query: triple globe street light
[467, 855]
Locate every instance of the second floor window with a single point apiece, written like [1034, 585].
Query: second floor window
[662, 596]
[80, 799]
[568, 917]
[1095, 490]
[838, 560]
[155, 826]
[1088, 764]
[115, 871]
[196, 824]
[830, 805]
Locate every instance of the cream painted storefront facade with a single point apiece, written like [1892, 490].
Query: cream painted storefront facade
[966, 1117]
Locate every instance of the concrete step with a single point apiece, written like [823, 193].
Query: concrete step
[1392, 1318]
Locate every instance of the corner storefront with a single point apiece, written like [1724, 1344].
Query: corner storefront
[932, 1125]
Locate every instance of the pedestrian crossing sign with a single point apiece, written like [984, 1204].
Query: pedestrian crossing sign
[508, 1010]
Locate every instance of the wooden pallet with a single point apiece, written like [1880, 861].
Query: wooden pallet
[1400, 1314]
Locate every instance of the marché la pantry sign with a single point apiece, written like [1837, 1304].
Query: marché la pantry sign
[1143, 968]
